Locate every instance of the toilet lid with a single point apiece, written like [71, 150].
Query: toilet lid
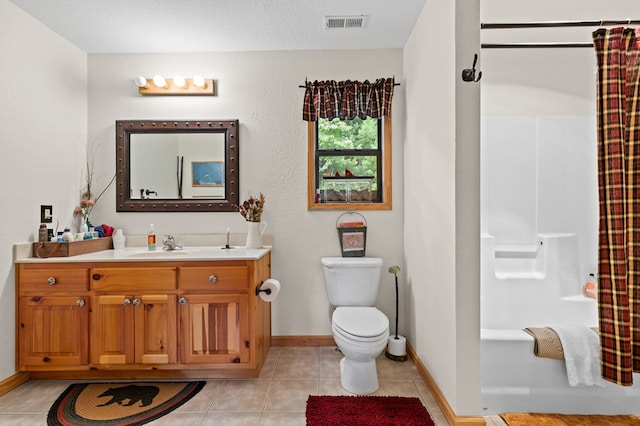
[361, 321]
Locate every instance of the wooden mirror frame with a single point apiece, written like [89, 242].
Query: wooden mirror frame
[124, 130]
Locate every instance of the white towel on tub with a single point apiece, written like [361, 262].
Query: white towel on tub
[581, 347]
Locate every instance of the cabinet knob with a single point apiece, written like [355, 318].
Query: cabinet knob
[126, 302]
[80, 303]
[51, 281]
[213, 278]
[182, 301]
[137, 302]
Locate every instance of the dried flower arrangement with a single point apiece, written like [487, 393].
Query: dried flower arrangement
[251, 209]
[87, 198]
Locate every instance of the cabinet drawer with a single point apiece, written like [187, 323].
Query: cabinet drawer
[53, 280]
[133, 279]
[208, 278]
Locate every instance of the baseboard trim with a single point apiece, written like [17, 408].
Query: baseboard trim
[302, 341]
[12, 382]
[439, 396]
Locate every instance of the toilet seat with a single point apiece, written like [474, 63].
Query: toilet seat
[360, 323]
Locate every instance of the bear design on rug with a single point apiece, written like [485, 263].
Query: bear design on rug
[133, 393]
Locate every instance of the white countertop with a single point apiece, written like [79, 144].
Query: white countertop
[22, 254]
[196, 248]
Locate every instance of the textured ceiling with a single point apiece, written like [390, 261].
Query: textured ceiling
[123, 26]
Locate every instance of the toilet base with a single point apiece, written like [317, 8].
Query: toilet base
[360, 378]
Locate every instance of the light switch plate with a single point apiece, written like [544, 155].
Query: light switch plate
[46, 214]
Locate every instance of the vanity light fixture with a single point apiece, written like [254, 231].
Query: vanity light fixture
[159, 81]
[140, 81]
[158, 85]
[179, 81]
[198, 80]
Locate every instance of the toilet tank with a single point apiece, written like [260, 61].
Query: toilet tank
[351, 281]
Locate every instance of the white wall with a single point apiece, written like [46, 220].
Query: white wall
[442, 199]
[43, 132]
[261, 90]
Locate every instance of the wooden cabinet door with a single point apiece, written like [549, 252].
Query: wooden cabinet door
[215, 328]
[155, 329]
[53, 331]
[112, 329]
[128, 329]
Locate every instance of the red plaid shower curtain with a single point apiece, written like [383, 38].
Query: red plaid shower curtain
[618, 107]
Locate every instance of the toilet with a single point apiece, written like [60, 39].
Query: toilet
[359, 329]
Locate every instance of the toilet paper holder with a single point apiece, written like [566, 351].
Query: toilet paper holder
[260, 290]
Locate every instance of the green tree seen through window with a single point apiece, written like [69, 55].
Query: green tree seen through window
[352, 145]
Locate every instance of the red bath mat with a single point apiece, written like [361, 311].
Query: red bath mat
[366, 411]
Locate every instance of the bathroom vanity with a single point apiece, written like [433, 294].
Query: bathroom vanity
[137, 314]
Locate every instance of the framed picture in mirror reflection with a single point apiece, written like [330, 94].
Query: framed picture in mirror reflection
[207, 173]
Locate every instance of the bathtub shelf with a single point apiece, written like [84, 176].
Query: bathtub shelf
[517, 251]
[520, 275]
[519, 261]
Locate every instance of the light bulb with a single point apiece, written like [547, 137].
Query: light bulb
[140, 81]
[178, 81]
[198, 81]
[159, 81]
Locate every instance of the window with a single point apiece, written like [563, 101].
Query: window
[349, 164]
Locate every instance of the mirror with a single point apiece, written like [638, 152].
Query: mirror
[177, 166]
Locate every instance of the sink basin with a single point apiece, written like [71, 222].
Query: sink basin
[159, 253]
[188, 253]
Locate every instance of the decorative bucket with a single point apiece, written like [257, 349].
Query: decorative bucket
[352, 235]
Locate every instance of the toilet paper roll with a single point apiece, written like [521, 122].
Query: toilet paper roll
[397, 347]
[269, 290]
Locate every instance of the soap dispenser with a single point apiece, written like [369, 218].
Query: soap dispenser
[151, 238]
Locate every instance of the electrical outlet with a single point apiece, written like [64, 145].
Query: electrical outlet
[46, 214]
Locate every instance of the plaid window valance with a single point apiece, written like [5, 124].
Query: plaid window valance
[347, 100]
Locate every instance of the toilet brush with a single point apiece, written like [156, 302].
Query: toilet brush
[396, 349]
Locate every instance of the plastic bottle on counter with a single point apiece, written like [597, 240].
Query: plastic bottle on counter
[67, 236]
[151, 238]
[590, 288]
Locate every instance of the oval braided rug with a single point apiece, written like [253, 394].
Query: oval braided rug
[126, 404]
[366, 411]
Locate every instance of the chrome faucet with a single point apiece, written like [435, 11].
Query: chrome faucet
[170, 243]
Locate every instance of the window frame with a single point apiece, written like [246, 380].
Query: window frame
[385, 204]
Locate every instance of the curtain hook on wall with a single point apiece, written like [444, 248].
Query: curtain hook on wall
[469, 74]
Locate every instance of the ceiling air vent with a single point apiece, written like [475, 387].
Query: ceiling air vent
[340, 22]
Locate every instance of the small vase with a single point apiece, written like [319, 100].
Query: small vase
[254, 234]
[119, 240]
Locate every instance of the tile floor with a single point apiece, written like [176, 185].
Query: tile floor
[277, 397]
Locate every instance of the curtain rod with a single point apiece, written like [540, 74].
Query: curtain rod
[304, 86]
[533, 45]
[557, 24]
[549, 24]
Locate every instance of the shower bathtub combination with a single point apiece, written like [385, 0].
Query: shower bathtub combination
[537, 285]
